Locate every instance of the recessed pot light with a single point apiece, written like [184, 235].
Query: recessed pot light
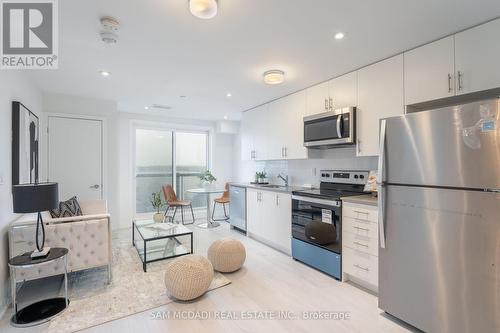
[203, 9]
[229, 95]
[104, 73]
[225, 117]
[339, 35]
[146, 108]
[274, 76]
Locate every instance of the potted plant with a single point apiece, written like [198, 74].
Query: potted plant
[207, 178]
[157, 204]
[260, 177]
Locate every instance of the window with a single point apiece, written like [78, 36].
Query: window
[153, 165]
[190, 162]
[164, 157]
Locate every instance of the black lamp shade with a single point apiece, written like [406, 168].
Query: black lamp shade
[33, 198]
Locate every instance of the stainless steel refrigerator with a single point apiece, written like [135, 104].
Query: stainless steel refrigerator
[439, 223]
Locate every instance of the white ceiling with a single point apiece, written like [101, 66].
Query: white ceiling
[165, 52]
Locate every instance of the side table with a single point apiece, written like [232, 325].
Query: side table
[44, 310]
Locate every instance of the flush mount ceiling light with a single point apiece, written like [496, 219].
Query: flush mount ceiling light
[104, 73]
[146, 108]
[203, 9]
[229, 95]
[109, 30]
[274, 76]
[339, 35]
[225, 117]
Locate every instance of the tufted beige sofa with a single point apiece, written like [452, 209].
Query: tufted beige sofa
[87, 237]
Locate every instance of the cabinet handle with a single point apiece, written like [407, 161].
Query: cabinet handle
[449, 83]
[286, 151]
[330, 103]
[460, 74]
[364, 229]
[361, 267]
[359, 146]
[277, 200]
[326, 104]
[361, 244]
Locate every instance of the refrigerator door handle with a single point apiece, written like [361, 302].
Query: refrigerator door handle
[381, 194]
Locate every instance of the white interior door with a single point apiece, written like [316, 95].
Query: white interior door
[75, 159]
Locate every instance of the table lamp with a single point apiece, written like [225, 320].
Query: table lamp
[36, 198]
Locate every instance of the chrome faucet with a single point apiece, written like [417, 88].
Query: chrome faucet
[284, 178]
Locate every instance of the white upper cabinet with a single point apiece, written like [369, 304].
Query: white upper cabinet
[291, 123]
[429, 72]
[380, 95]
[318, 98]
[253, 122]
[247, 133]
[477, 58]
[343, 90]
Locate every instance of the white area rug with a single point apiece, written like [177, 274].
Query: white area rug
[93, 302]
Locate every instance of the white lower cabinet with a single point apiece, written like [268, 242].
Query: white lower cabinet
[269, 217]
[360, 245]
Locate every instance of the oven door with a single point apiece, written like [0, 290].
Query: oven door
[329, 128]
[318, 222]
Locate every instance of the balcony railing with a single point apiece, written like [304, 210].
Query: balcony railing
[150, 182]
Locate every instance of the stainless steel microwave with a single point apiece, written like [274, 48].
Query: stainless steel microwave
[330, 129]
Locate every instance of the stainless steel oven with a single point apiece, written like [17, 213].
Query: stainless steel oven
[330, 129]
[317, 221]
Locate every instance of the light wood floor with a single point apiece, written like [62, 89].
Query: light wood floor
[269, 281]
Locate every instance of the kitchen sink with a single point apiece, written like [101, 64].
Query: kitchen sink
[272, 186]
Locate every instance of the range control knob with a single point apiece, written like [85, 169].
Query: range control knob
[323, 175]
[361, 176]
[327, 175]
[355, 176]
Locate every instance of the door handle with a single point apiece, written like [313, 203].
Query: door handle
[95, 187]
[460, 74]
[381, 184]
[339, 120]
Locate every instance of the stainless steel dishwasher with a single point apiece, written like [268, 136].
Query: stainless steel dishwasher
[238, 207]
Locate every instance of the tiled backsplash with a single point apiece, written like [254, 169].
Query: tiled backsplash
[302, 172]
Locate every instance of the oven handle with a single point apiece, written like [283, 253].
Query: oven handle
[333, 203]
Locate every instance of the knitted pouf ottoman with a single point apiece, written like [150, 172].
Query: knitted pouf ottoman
[188, 277]
[227, 255]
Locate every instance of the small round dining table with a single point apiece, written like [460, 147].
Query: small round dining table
[207, 191]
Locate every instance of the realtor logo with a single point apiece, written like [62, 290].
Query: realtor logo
[29, 34]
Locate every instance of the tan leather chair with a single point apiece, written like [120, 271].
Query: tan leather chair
[222, 200]
[174, 203]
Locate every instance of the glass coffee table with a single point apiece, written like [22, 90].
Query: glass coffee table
[159, 241]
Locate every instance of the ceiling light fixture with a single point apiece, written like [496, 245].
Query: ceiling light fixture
[203, 9]
[225, 117]
[146, 108]
[229, 95]
[339, 35]
[104, 73]
[274, 76]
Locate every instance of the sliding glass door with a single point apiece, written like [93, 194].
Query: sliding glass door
[191, 160]
[153, 165]
[164, 157]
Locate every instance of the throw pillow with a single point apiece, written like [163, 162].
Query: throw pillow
[67, 208]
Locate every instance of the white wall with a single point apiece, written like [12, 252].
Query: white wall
[14, 86]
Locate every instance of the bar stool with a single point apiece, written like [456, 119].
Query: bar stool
[174, 203]
[222, 200]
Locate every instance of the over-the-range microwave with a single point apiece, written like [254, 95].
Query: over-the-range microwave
[330, 129]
